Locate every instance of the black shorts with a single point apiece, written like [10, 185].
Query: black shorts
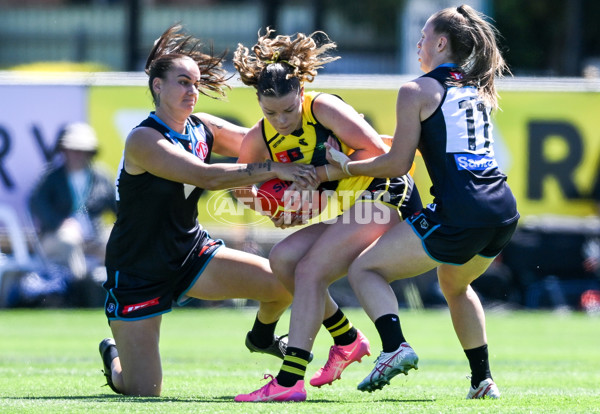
[132, 297]
[398, 192]
[458, 245]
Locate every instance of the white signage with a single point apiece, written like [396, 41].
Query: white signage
[31, 118]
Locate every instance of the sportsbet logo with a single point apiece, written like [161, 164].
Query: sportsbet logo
[233, 207]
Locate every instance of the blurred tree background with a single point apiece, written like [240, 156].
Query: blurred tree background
[542, 37]
[539, 37]
[549, 37]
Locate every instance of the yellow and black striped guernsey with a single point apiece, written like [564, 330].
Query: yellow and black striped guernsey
[306, 146]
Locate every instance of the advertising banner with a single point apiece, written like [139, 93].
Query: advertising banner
[31, 118]
[547, 142]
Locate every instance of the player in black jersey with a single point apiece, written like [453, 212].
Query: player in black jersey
[445, 114]
[294, 129]
[158, 253]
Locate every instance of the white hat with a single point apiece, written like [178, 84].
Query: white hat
[78, 136]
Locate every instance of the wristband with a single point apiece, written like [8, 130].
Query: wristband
[340, 158]
[327, 172]
[345, 168]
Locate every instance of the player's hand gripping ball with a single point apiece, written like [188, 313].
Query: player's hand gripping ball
[306, 203]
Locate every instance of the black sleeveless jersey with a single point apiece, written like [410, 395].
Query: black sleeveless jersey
[156, 230]
[456, 143]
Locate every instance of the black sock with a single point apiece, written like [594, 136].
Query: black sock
[340, 328]
[262, 333]
[390, 332]
[294, 367]
[480, 364]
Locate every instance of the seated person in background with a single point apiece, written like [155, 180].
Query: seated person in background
[68, 202]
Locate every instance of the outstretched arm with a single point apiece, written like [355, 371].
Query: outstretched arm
[399, 159]
[146, 150]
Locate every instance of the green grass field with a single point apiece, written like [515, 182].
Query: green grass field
[542, 362]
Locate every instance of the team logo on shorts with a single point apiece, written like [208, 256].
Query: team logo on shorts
[424, 223]
[110, 308]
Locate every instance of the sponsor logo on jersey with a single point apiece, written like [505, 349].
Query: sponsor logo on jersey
[282, 157]
[474, 162]
[279, 141]
[138, 306]
[290, 155]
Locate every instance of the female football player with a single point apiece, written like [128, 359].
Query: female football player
[445, 114]
[158, 253]
[296, 125]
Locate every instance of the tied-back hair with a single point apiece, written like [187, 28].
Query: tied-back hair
[280, 64]
[172, 45]
[474, 47]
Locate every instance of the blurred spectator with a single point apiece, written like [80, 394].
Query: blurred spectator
[591, 255]
[69, 202]
[590, 299]
[591, 248]
[547, 257]
[497, 286]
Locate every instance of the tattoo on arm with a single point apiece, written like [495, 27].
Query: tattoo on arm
[266, 164]
[250, 168]
[217, 125]
[220, 125]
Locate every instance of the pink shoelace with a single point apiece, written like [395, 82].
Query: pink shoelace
[265, 387]
[335, 350]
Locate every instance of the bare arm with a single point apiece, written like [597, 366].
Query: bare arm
[228, 136]
[146, 150]
[348, 126]
[416, 101]
[252, 150]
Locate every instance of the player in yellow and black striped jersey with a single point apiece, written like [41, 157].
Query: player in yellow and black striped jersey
[295, 127]
[306, 145]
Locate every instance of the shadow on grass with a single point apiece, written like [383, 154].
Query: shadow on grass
[220, 399]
